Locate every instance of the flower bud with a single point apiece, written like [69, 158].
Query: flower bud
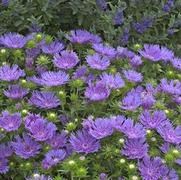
[31, 44]
[52, 116]
[48, 39]
[81, 172]
[70, 126]
[3, 51]
[170, 74]
[137, 47]
[24, 112]
[134, 177]
[131, 166]
[17, 53]
[112, 70]
[73, 97]
[77, 83]
[121, 141]
[122, 161]
[39, 37]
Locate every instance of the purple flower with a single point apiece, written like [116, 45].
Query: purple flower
[101, 127]
[113, 81]
[97, 92]
[133, 76]
[97, 61]
[131, 101]
[118, 121]
[66, 59]
[26, 147]
[10, 122]
[118, 18]
[13, 40]
[172, 175]
[15, 92]
[105, 50]
[82, 141]
[124, 38]
[52, 158]
[171, 87]
[80, 73]
[165, 147]
[133, 131]
[53, 48]
[102, 4]
[4, 168]
[152, 168]
[135, 61]
[58, 140]
[103, 176]
[124, 53]
[177, 99]
[168, 5]
[152, 121]
[39, 177]
[135, 148]
[5, 150]
[156, 53]
[51, 78]
[176, 63]
[83, 37]
[10, 73]
[44, 100]
[5, 3]
[42, 130]
[169, 133]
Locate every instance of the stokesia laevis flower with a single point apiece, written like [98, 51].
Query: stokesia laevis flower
[118, 18]
[83, 37]
[131, 101]
[13, 40]
[135, 148]
[152, 121]
[52, 158]
[5, 150]
[135, 61]
[11, 73]
[98, 62]
[101, 127]
[42, 130]
[102, 4]
[152, 168]
[82, 141]
[118, 121]
[10, 122]
[176, 63]
[169, 133]
[97, 92]
[51, 78]
[66, 59]
[44, 100]
[105, 50]
[133, 76]
[133, 131]
[53, 47]
[15, 92]
[172, 175]
[25, 147]
[113, 81]
[58, 140]
[4, 168]
[124, 53]
[37, 176]
[172, 87]
[177, 99]
[80, 73]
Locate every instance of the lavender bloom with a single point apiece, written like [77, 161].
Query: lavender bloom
[131, 101]
[124, 53]
[133, 76]
[118, 121]
[124, 37]
[42, 130]
[172, 175]
[84, 142]
[53, 48]
[51, 78]
[4, 168]
[15, 92]
[13, 40]
[152, 121]
[88, 123]
[156, 53]
[103, 176]
[5, 3]
[80, 73]
[5, 150]
[165, 147]
[58, 140]
[168, 5]
[176, 63]
[44, 100]
[83, 37]
[11, 73]
[133, 131]
[52, 158]
[96, 61]
[177, 99]
[143, 25]
[118, 18]
[105, 50]
[26, 147]
[152, 168]
[135, 148]
[136, 61]
[10, 122]
[102, 4]
[33, 52]
[39, 177]
[66, 60]
[169, 133]
[113, 81]
[171, 87]
[97, 92]
[101, 127]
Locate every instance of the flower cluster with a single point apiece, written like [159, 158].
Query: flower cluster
[82, 108]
